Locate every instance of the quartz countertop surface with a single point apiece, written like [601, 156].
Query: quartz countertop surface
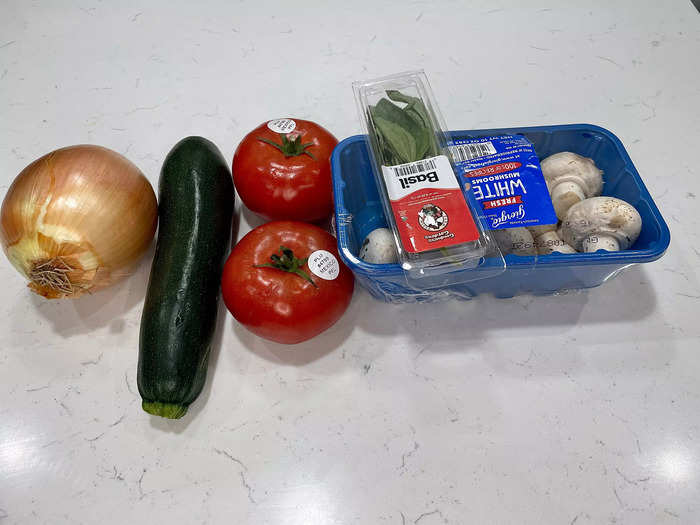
[576, 408]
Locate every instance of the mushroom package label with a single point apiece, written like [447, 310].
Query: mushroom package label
[504, 175]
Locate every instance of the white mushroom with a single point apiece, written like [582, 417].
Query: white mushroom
[518, 241]
[548, 241]
[551, 243]
[570, 178]
[560, 233]
[601, 223]
[379, 247]
[536, 231]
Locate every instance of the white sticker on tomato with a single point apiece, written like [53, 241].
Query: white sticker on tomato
[323, 264]
[282, 125]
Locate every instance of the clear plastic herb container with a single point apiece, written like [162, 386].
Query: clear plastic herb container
[437, 227]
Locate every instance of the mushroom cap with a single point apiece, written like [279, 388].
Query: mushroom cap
[379, 247]
[536, 231]
[563, 248]
[518, 241]
[549, 242]
[604, 216]
[570, 167]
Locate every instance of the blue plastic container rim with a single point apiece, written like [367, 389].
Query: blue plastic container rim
[600, 257]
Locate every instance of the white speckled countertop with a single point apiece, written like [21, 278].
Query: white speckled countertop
[573, 409]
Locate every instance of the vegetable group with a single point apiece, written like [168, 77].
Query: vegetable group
[285, 282]
[75, 219]
[286, 175]
[179, 315]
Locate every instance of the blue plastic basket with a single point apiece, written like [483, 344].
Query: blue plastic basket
[359, 211]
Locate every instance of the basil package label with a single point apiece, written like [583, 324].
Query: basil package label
[282, 125]
[504, 175]
[429, 208]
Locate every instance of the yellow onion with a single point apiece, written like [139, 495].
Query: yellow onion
[75, 219]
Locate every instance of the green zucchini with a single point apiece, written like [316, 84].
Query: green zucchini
[195, 208]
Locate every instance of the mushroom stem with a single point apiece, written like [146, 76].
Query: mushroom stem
[517, 241]
[564, 196]
[549, 242]
[593, 243]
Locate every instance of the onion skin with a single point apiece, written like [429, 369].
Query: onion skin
[75, 219]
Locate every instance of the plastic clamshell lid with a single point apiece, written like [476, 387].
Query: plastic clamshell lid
[430, 268]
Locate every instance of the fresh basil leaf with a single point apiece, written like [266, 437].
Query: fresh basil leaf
[392, 113]
[413, 119]
[410, 110]
[395, 114]
[418, 112]
[390, 155]
[422, 138]
[397, 96]
[414, 103]
[400, 141]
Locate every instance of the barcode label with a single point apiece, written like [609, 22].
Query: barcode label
[412, 168]
[433, 173]
[472, 151]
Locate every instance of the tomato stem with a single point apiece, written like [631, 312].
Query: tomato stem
[286, 261]
[290, 148]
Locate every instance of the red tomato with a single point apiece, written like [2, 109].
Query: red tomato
[283, 305]
[286, 176]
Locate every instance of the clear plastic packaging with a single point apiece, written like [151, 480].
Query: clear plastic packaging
[438, 229]
[358, 212]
